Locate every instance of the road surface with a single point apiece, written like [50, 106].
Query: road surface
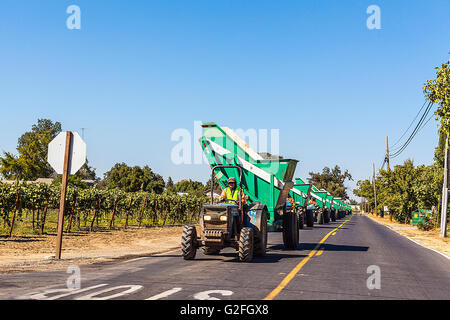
[340, 260]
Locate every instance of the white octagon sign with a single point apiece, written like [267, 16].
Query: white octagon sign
[57, 148]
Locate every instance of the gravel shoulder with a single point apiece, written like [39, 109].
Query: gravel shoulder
[36, 252]
[430, 239]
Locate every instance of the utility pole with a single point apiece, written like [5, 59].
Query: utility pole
[387, 154]
[375, 190]
[445, 188]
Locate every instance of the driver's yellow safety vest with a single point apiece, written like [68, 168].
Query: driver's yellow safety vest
[231, 196]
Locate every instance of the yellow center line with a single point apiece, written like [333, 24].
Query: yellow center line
[319, 252]
[294, 271]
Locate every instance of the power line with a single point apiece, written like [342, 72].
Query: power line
[409, 125]
[419, 126]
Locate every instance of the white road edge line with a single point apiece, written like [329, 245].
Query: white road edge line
[165, 294]
[442, 254]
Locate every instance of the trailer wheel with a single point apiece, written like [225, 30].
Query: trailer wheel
[320, 217]
[333, 215]
[310, 218]
[301, 220]
[261, 240]
[290, 230]
[208, 251]
[188, 242]
[326, 216]
[246, 245]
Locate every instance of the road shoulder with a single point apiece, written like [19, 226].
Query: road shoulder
[428, 239]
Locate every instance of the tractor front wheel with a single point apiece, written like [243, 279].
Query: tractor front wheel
[189, 242]
[246, 245]
[309, 218]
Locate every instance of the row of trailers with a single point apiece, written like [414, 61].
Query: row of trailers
[270, 201]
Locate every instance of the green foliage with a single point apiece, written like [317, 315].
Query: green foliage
[31, 163]
[403, 189]
[332, 181]
[133, 179]
[438, 91]
[190, 186]
[427, 224]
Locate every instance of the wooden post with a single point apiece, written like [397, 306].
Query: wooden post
[142, 213]
[375, 190]
[445, 192]
[387, 154]
[111, 223]
[14, 213]
[44, 215]
[95, 214]
[72, 213]
[126, 219]
[62, 201]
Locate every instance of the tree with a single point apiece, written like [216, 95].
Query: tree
[404, 189]
[169, 183]
[332, 181]
[189, 186]
[438, 91]
[87, 172]
[32, 146]
[133, 179]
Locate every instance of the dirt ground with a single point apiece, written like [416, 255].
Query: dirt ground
[36, 252]
[430, 239]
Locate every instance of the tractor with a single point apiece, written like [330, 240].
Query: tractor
[237, 225]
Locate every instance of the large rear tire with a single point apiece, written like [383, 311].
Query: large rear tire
[309, 218]
[290, 230]
[261, 240]
[246, 245]
[189, 242]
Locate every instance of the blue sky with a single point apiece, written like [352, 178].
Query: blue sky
[137, 70]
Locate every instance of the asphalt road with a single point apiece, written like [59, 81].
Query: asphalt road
[333, 261]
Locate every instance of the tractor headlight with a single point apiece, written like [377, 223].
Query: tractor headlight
[207, 218]
[223, 218]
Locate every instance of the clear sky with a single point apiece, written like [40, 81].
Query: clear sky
[138, 70]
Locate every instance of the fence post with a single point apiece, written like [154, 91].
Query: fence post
[72, 213]
[126, 219]
[142, 213]
[95, 214]
[14, 212]
[111, 223]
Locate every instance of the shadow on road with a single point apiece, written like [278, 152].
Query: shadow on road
[332, 247]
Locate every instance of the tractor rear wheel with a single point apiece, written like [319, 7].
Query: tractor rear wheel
[246, 245]
[208, 251]
[309, 218]
[290, 230]
[333, 215]
[261, 239]
[189, 242]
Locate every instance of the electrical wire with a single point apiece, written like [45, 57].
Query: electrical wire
[419, 126]
[409, 125]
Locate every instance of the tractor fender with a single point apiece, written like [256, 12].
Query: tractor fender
[256, 214]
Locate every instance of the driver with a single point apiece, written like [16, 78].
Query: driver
[231, 194]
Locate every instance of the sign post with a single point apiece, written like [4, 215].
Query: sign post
[66, 154]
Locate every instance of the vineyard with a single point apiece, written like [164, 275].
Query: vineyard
[33, 209]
